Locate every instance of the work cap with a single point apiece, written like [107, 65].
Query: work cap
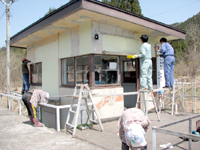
[136, 136]
[24, 59]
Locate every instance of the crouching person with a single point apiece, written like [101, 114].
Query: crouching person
[132, 127]
[31, 100]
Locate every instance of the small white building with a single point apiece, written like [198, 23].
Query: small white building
[68, 46]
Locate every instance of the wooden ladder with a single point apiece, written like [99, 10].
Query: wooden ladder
[84, 93]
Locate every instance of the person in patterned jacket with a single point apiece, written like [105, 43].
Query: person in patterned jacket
[31, 100]
[132, 127]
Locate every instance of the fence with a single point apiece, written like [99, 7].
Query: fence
[10, 99]
[179, 134]
[188, 94]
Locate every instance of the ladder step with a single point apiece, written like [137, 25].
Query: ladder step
[94, 121]
[72, 111]
[69, 125]
[77, 97]
[85, 91]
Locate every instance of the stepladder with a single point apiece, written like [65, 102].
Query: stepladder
[167, 99]
[82, 93]
[144, 97]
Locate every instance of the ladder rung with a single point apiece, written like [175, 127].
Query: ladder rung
[69, 125]
[93, 121]
[86, 91]
[76, 96]
[72, 111]
[91, 110]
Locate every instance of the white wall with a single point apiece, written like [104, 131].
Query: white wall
[46, 51]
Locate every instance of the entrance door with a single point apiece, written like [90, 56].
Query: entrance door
[129, 79]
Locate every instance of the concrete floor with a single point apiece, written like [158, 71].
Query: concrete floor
[16, 133]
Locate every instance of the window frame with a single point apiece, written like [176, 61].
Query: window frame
[91, 72]
[68, 85]
[31, 73]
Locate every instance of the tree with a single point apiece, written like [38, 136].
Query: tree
[16, 56]
[50, 10]
[193, 48]
[191, 54]
[129, 5]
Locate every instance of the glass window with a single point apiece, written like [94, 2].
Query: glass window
[129, 72]
[82, 70]
[36, 73]
[106, 69]
[67, 71]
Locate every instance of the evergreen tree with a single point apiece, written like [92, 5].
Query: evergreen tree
[129, 5]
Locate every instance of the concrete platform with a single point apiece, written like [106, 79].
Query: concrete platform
[17, 133]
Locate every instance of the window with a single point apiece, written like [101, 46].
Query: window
[82, 69]
[36, 73]
[106, 69]
[67, 71]
[129, 72]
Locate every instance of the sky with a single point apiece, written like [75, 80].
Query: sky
[26, 12]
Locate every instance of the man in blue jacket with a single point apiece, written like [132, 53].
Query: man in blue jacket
[169, 60]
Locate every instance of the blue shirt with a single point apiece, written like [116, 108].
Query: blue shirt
[145, 52]
[166, 49]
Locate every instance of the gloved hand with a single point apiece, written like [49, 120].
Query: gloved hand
[135, 56]
[158, 54]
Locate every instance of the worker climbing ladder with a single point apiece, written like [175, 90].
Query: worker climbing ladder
[84, 93]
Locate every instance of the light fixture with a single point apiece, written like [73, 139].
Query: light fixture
[96, 36]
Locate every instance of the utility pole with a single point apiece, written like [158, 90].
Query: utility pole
[7, 3]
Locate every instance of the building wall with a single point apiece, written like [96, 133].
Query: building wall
[46, 51]
[117, 39]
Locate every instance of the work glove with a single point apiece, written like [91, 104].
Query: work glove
[158, 54]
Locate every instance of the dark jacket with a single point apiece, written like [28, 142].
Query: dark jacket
[24, 67]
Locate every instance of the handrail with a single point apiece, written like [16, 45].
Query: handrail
[175, 133]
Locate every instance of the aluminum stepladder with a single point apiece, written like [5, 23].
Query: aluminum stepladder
[145, 99]
[171, 95]
[84, 93]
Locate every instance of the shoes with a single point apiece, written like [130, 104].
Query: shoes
[166, 87]
[36, 123]
[31, 120]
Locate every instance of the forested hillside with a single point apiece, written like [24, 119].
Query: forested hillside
[184, 25]
[187, 51]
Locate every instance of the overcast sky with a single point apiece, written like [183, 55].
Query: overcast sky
[26, 12]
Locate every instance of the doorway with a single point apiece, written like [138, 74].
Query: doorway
[129, 80]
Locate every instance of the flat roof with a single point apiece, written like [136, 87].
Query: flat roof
[90, 10]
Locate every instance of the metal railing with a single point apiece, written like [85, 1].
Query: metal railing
[179, 134]
[10, 100]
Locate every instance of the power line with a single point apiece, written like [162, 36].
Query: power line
[175, 9]
[2, 15]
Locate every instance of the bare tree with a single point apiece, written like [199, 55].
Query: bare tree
[16, 56]
[2, 70]
[193, 49]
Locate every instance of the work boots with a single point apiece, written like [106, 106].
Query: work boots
[31, 120]
[36, 123]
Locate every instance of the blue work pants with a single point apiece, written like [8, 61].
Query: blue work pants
[26, 85]
[146, 74]
[169, 62]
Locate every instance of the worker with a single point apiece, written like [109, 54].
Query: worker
[25, 75]
[132, 127]
[31, 100]
[145, 63]
[167, 52]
